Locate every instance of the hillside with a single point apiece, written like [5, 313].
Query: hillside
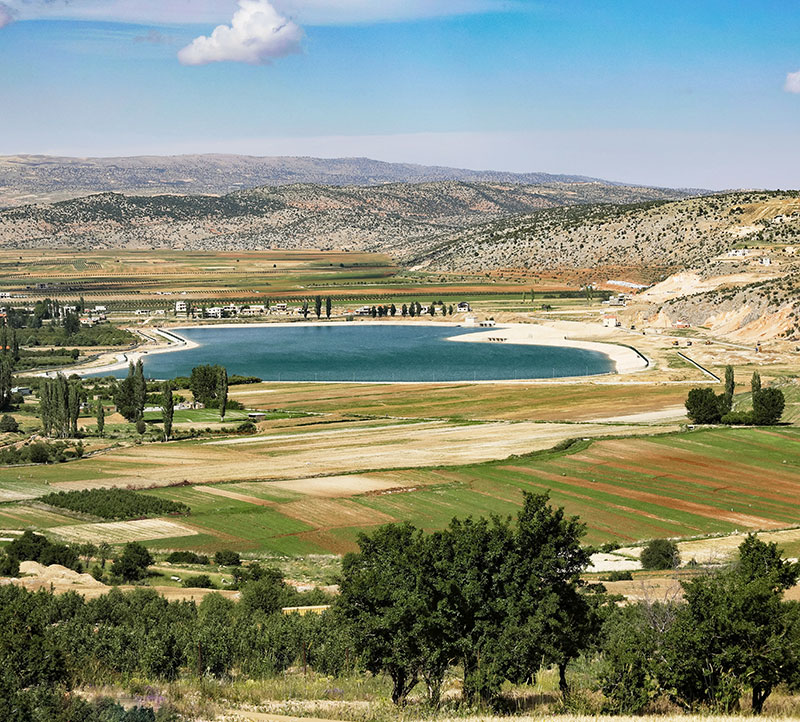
[658, 235]
[32, 178]
[381, 218]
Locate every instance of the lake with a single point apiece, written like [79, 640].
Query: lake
[369, 353]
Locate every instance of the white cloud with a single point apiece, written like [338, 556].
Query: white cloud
[792, 84]
[6, 16]
[257, 34]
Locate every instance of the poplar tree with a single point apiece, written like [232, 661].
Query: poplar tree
[318, 306]
[167, 409]
[73, 406]
[222, 391]
[101, 417]
[139, 390]
[730, 385]
[328, 306]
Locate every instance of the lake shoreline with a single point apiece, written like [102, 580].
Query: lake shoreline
[626, 360]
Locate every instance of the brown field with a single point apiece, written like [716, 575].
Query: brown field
[528, 402]
[328, 452]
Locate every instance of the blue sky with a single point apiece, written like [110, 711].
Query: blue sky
[695, 94]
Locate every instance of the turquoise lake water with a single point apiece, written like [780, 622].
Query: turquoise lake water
[369, 353]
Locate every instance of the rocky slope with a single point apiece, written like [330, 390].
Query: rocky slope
[388, 218]
[663, 236]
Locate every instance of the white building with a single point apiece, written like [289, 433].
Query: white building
[610, 320]
[180, 307]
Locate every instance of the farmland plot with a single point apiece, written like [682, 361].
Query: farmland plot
[119, 532]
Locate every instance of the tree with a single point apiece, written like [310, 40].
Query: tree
[8, 424]
[730, 385]
[124, 396]
[74, 405]
[305, 309]
[755, 384]
[167, 409]
[203, 383]
[379, 598]
[132, 564]
[139, 390]
[768, 406]
[328, 306]
[735, 631]
[222, 391]
[101, 417]
[703, 406]
[6, 380]
[660, 554]
[404, 311]
[318, 306]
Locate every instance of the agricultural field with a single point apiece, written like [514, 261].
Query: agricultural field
[626, 489]
[152, 279]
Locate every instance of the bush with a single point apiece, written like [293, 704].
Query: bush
[661, 554]
[141, 426]
[617, 577]
[200, 581]
[246, 427]
[8, 424]
[38, 453]
[187, 558]
[737, 418]
[227, 558]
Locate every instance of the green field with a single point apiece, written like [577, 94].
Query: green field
[686, 484]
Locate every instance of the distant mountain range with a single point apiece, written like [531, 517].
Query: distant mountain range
[384, 218]
[37, 178]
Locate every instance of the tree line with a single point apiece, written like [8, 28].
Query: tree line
[491, 601]
[703, 406]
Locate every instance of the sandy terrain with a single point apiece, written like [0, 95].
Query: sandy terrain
[567, 334]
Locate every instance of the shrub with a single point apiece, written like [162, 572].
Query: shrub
[8, 424]
[141, 426]
[38, 453]
[227, 558]
[200, 581]
[737, 418]
[660, 554]
[617, 577]
[246, 427]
